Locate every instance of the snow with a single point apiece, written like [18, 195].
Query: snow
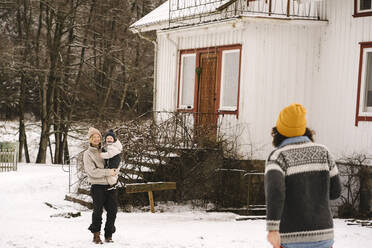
[178, 9]
[147, 160]
[26, 221]
[9, 133]
[138, 168]
[183, 10]
[158, 15]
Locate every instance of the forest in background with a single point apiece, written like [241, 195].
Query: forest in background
[69, 61]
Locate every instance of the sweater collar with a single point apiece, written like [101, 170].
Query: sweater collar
[292, 140]
[92, 148]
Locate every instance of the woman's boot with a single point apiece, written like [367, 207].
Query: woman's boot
[97, 238]
[109, 240]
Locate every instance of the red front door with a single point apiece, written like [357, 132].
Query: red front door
[206, 116]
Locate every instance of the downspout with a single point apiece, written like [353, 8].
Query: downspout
[154, 90]
[175, 44]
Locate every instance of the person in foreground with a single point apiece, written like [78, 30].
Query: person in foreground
[98, 177]
[301, 177]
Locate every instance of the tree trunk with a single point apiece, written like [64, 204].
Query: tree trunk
[21, 129]
[27, 156]
[123, 98]
[23, 27]
[41, 155]
[66, 155]
[108, 67]
[50, 150]
[50, 84]
[57, 128]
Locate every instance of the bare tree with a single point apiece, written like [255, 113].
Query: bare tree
[70, 61]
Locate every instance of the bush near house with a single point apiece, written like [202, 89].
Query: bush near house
[356, 177]
[204, 164]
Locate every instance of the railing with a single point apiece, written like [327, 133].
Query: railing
[254, 182]
[253, 207]
[8, 156]
[187, 12]
[75, 175]
[310, 9]
[190, 129]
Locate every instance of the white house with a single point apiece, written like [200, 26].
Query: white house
[244, 60]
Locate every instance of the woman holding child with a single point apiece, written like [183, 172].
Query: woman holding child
[102, 180]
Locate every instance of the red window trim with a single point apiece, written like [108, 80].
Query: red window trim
[358, 118]
[360, 14]
[218, 50]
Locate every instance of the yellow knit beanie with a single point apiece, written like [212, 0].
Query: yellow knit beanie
[292, 121]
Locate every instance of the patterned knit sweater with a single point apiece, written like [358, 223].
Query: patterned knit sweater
[300, 179]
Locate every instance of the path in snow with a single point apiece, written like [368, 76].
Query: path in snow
[25, 220]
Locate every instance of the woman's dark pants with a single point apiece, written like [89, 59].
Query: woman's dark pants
[103, 198]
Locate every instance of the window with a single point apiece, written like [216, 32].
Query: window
[362, 8]
[364, 98]
[223, 97]
[229, 80]
[368, 82]
[364, 5]
[187, 81]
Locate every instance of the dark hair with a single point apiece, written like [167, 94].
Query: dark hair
[278, 138]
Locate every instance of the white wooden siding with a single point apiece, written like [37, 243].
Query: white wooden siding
[333, 105]
[279, 65]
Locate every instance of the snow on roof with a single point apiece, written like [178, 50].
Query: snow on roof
[179, 9]
[157, 16]
[173, 13]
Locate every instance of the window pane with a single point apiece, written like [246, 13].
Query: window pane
[187, 80]
[368, 102]
[230, 79]
[365, 4]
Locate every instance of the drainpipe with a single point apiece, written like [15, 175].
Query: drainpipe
[155, 67]
[175, 44]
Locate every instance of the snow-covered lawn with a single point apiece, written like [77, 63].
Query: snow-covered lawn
[25, 220]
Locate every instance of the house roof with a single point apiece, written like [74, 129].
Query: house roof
[159, 17]
[173, 13]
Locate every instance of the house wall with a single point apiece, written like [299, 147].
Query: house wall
[280, 62]
[334, 95]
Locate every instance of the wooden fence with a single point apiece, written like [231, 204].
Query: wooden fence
[8, 156]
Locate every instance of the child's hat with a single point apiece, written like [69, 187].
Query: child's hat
[110, 133]
[292, 121]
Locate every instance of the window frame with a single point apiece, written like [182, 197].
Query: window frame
[198, 52]
[221, 93]
[361, 13]
[180, 83]
[362, 115]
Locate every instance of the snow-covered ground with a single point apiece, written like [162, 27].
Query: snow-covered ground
[25, 220]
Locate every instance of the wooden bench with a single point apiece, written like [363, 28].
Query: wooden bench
[131, 189]
[149, 188]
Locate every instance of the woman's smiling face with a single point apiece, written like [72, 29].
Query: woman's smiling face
[95, 139]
